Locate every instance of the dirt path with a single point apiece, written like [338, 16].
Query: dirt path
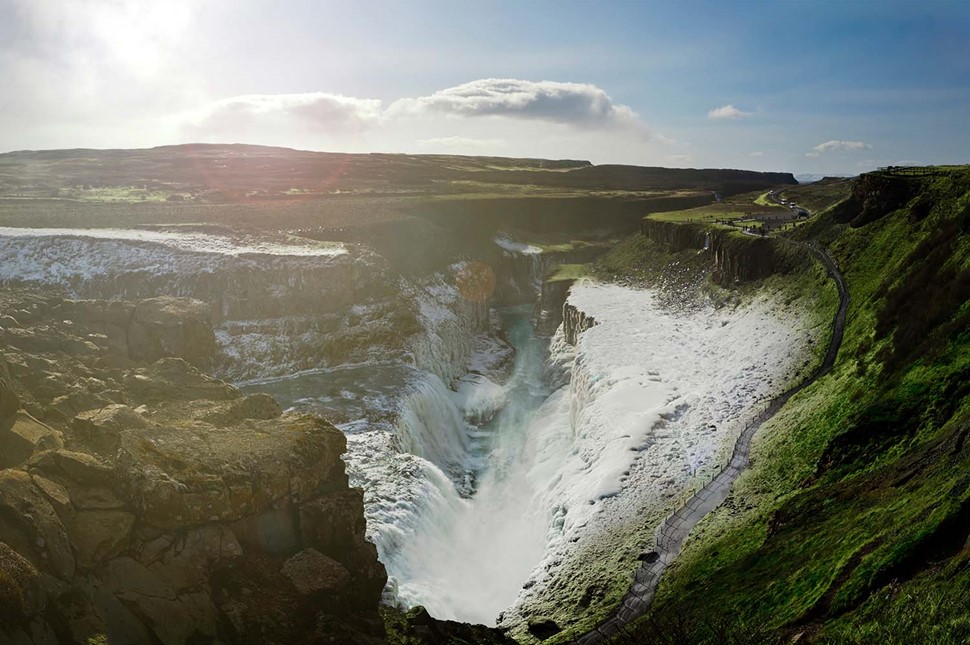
[676, 528]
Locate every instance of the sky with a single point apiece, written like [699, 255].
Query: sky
[828, 87]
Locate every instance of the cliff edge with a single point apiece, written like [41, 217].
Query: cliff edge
[146, 502]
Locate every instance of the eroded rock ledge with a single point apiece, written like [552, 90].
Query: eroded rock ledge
[574, 322]
[144, 501]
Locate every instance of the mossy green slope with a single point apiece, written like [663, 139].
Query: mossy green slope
[852, 523]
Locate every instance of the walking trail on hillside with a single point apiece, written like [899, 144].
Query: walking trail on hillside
[676, 528]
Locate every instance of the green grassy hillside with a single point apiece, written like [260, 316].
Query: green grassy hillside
[851, 526]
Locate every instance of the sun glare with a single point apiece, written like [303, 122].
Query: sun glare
[139, 34]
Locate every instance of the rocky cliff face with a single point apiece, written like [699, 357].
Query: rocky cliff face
[549, 308]
[675, 237]
[575, 322]
[147, 502]
[875, 195]
[738, 260]
[291, 302]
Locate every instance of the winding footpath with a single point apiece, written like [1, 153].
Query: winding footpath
[676, 528]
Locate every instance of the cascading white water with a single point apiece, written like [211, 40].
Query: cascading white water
[472, 563]
[431, 425]
[648, 407]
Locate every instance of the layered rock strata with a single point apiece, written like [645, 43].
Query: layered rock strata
[142, 501]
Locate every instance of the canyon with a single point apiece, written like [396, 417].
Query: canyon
[414, 424]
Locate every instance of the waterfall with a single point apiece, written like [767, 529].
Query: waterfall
[497, 536]
[431, 426]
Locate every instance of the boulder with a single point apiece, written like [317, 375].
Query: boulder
[66, 407]
[98, 535]
[173, 379]
[255, 406]
[172, 327]
[312, 572]
[56, 494]
[197, 473]
[78, 467]
[140, 607]
[100, 429]
[334, 524]
[260, 407]
[186, 561]
[21, 593]
[30, 526]
[21, 436]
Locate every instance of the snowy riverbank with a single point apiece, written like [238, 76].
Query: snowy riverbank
[655, 401]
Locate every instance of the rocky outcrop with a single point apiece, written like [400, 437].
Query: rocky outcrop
[367, 331]
[32, 527]
[675, 236]
[21, 593]
[236, 283]
[549, 309]
[575, 322]
[21, 435]
[163, 327]
[875, 195]
[156, 504]
[739, 259]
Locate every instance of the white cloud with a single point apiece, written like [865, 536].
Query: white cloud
[488, 116]
[316, 112]
[578, 104]
[756, 153]
[836, 145]
[680, 159]
[727, 112]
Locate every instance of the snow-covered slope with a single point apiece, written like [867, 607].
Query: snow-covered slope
[655, 401]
